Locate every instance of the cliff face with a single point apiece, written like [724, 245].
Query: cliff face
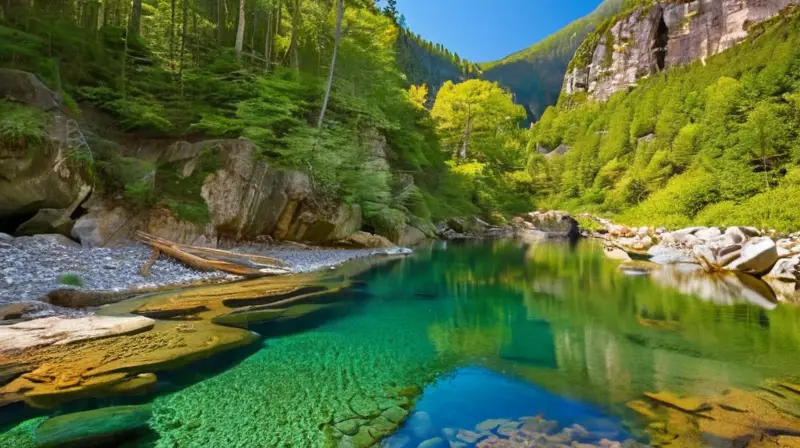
[666, 34]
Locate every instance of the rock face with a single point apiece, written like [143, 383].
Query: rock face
[40, 177]
[23, 87]
[666, 34]
[246, 198]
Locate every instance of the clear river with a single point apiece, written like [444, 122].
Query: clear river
[471, 338]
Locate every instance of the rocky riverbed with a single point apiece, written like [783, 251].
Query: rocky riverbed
[31, 267]
[753, 255]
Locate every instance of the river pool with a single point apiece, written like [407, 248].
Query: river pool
[461, 339]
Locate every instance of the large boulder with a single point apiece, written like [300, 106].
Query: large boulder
[412, 237]
[25, 88]
[364, 240]
[757, 257]
[103, 225]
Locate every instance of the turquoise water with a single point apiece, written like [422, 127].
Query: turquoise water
[463, 333]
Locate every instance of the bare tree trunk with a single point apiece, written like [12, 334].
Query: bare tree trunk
[268, 41]
[220, 21]
[463, 153]
[253, 30]
[336, 36]
[293, 57]
[172, 37]
[240, 31]
[196, 38]
[135, 24]
[183, 40]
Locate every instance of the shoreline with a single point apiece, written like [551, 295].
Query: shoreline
[34, 267]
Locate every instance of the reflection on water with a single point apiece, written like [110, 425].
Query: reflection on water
[548, 323]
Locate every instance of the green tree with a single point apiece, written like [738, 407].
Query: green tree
[764, 135]
[474, 117]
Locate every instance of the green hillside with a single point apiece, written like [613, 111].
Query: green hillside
[536, 74]
[711, 144]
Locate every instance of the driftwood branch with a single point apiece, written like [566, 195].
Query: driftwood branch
[205, 259]
[144, 271]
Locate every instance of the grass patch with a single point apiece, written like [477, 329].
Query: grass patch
[70, 279]
[21, 126]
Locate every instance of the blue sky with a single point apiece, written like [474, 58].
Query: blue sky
[485, 30]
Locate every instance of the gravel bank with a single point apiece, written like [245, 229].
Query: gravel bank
[30, 267]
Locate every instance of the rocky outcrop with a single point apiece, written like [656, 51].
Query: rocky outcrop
[40, 176]
[246, 197]
[659, 36]
[25, 88]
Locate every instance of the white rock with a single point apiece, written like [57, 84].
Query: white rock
[786, 270]
[59, 330]
[689, 230]
[708, 234]
[758, 256]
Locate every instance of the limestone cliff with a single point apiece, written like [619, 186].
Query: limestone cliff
[664, 34]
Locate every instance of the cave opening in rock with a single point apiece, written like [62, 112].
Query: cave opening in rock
[660, 44]
[9, 224]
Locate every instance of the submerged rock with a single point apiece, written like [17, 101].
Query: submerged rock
[100, 427]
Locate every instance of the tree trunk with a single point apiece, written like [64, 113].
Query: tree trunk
[268, 41]
[463, 153]
[135, 25]
[220, 21]
[293, 57]
[172, 37]
[336, 36]
[183, 40]
[253, 30]
[240, 31]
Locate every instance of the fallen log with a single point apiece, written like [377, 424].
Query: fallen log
[205, 259]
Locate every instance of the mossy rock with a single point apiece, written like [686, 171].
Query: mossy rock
[97, 428]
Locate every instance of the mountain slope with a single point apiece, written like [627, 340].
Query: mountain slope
[424, 62]
[536, 74]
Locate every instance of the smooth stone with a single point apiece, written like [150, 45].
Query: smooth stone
[100, 427]
[488, 425]
[349, 427]
[708, 234]
[758, 257]
[689, 230]
[59, 330]
[363, 438]
[435, 442]
[395, 414]
[469, 436]
[13, 311]
[420, 424]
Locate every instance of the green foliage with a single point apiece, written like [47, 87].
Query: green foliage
[693, 146]
[70, 279]
[127, 175]
[20, 126]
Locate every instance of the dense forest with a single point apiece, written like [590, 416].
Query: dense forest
[536, 74]
[714, 142]
[311, 83]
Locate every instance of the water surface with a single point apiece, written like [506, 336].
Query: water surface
[467, 332]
